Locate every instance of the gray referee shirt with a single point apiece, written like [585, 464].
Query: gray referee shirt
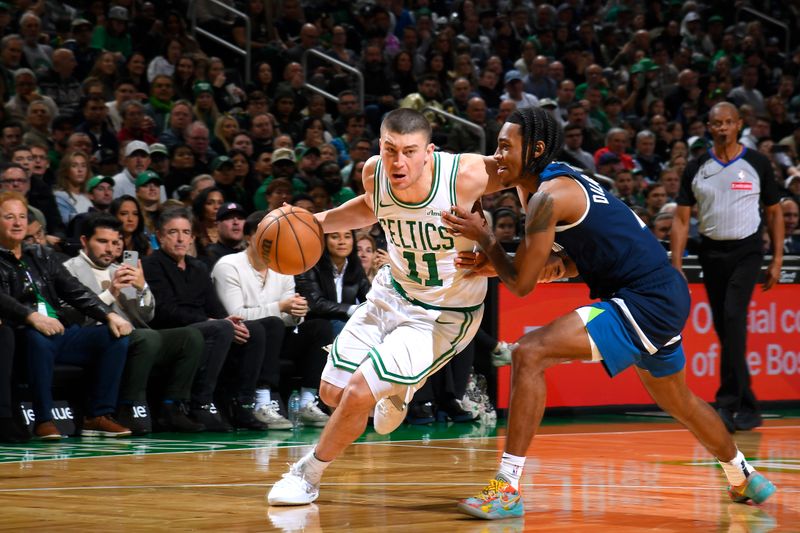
[728, 196]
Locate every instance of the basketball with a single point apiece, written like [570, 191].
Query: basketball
[290, 240]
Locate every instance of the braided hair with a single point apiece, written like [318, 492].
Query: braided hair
[537, 125]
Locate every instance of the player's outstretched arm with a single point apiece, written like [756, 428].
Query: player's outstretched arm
[355, 213]
[522, 273]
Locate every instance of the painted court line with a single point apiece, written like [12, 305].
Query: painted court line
[707, 488]
[249, 445]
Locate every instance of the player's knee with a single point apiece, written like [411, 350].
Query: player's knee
[357, 395]
[529, 354]
[331, 395]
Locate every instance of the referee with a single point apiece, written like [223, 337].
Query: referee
[729, 184]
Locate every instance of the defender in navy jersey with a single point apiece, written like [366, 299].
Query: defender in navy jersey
[643, 305]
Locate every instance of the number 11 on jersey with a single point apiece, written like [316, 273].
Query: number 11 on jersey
[433, 271]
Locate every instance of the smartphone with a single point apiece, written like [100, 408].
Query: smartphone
[130, 258]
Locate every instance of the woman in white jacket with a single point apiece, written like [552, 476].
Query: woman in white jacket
[268, 303]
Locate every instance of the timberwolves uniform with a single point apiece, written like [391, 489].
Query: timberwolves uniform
[421, 310]
[644, 300]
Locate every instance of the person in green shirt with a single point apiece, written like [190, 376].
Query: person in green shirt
[114, 35]
[283, 166]
[331, 175]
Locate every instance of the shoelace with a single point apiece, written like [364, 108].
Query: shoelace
[295, 473]
[495, 487]
[272, 407]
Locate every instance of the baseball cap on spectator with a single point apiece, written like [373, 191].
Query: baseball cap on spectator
[200, 87]
[513, 75]
[108, 156]
[221, 161]
[283, 154]
[613, 14]
[691, 16]
[77, 23]
[311, 150]
[715, 18]
[136, 146]
[790, 179]
[646, 65]
[227, 210]
[696, 142]
[97, 180]
[143, 178]
[548, 102]
[158, 148]
[118, 13]
[608, 158]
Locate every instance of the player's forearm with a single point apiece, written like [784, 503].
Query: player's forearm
[505, 266]
[501, 262]
[353, 214]
[570, 267]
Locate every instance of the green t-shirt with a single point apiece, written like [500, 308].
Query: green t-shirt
[344, 194]
[102, 40]
[260, 196]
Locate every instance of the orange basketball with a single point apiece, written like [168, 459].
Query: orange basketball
[290, 240]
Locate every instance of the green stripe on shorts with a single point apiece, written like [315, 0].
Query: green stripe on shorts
[338, 362]
[391, 377]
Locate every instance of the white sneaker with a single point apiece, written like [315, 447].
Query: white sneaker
[389, 414]
[269, 415]
[311, 415]
[501, 355]
[471, 407]
[293, 489]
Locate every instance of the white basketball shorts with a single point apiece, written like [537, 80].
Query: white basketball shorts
[397, 343]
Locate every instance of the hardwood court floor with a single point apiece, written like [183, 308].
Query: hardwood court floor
[600, 476]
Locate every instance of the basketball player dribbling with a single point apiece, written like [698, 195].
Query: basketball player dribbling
[420, 312]
[644, 303]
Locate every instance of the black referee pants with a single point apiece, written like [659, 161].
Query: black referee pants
[730, 272]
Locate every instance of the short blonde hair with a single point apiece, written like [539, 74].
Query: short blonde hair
[9, 196]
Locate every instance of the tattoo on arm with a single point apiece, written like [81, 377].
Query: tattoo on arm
[540, 212]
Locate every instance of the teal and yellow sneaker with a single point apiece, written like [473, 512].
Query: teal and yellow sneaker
[497, 500]
[757, 488]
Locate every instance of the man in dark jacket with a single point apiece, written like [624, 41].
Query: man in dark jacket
[185, 296]
[32, 286]
[172, 353]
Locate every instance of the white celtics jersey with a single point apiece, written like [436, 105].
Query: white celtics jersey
[421, 251]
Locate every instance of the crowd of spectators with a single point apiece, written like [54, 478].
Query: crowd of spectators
[114, 110]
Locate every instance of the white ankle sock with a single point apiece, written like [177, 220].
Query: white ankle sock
[737, 469]
[307, 396]
[262, 397]
[511, 468]
[312, 467]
